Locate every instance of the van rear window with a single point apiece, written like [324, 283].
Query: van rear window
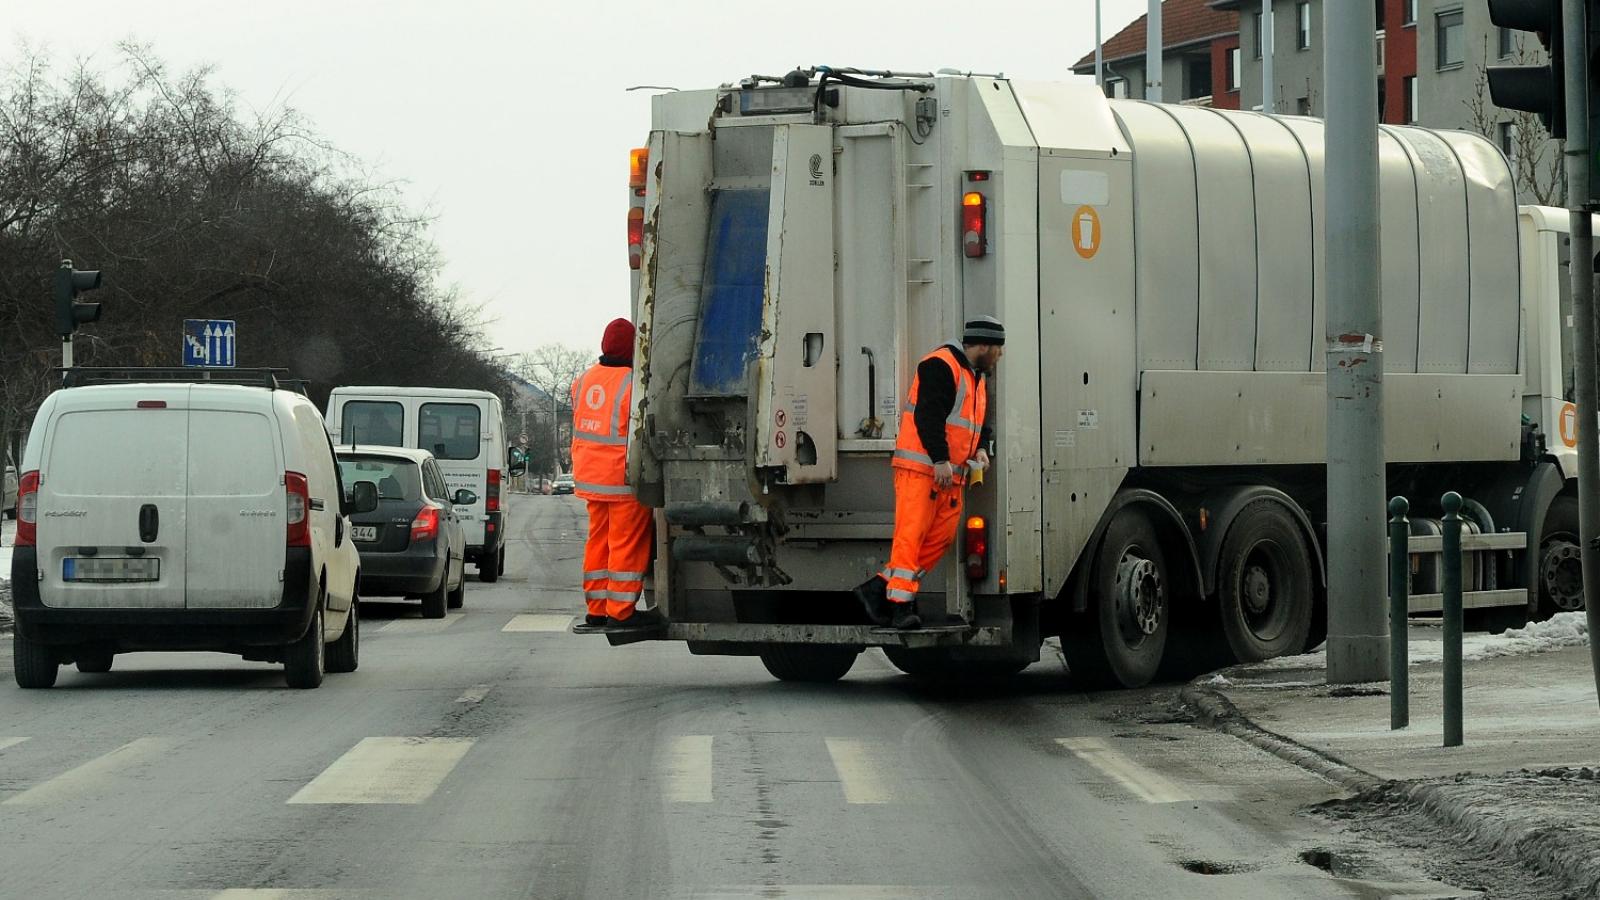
[119, 453]
[232, 454]
[377, 422]
[449, 430]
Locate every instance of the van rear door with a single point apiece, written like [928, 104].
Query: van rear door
[237, 506]
[112, 499]
[456, 433]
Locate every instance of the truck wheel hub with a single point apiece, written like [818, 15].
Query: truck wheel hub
[1257, 590]
[1562, 573]
[1139, 583]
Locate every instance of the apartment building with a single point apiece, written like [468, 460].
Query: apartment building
[1199, 55]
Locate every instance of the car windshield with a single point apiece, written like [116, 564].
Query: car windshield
[397, 479]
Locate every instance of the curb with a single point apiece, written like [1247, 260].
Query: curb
[1549, 850]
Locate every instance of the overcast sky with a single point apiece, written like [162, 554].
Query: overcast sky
[509, 121]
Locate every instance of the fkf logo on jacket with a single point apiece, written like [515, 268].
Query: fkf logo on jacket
[594, 401]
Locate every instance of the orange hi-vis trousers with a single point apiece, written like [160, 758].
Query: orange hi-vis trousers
[925, 520]
[616, 556]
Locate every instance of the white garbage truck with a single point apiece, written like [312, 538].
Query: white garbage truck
[1160, 416]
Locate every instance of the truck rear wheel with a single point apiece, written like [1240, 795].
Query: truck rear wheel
[1560, 566]
[936, 666]
[35, 665]
[1120, 640]
[814, 663]
[1264, 590]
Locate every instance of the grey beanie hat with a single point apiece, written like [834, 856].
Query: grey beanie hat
[984, 330]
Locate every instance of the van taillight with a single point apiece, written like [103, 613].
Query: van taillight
[425, 527]
[635, 236]
[298, 516]
[28, 509]
[974, 233]
[977, 547]
[492, 502]
[638, 167]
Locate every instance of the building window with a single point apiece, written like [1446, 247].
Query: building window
[1199, 78]
[1410, 15]
[1302, 107]
[1302, 18]
[1450, 36]
[1507, 42]
[1117, 87]
[1235, 62]
[1507, 137]
[1411, 99]
[1255, 34]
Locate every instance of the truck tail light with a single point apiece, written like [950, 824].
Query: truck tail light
[492, 502]
[977, 545]
[28, 509]
[298, 513]
[635, 236]
[425, 527]
[974, 231]
[638, 165]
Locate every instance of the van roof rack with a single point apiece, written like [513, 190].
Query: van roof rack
[271, 379]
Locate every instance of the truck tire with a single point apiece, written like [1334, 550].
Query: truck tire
[814, 663]
[344, 655]
[95, 662]
[489, 569]
[500, 568]
[459, 596]
[1265, 594]
[305, 660]
[435, 601]
[33, 664]
[1560, 572]
[936, 666]
[1119, 641]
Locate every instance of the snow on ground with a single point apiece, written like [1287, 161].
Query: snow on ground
[1568, 629]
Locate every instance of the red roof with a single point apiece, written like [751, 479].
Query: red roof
[1183, 22]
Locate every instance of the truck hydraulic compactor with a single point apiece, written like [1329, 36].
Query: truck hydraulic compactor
[1159, 485]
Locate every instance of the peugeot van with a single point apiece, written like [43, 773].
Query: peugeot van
[463, 431]
[155, 514]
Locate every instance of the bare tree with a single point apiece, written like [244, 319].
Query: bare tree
[552, 369]
[1535, 157]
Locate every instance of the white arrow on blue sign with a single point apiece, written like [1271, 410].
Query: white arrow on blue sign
[209, 343]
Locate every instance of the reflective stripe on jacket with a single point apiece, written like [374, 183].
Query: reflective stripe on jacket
[601, 398]
[962, 427]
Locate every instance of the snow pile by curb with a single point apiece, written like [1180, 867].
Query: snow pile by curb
[1563, 630]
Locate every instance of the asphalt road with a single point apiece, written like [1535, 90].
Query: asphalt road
[491, 754]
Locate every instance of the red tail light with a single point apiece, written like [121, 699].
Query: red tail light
[28, 509]
[298, 517]
[492, 502]
[425, 527]
[635, 236]
[977, 546]
[974, 231]
[638, 167]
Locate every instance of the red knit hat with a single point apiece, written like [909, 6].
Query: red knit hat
[618, 339]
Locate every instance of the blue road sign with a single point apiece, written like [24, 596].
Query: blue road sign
[208, 343]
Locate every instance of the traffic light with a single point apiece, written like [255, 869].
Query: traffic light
[70, 311]
[1534, 89]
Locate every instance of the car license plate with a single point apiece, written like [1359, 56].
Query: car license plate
[101, 568]
[366, 532]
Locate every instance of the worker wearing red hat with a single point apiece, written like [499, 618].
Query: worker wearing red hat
[620, 527]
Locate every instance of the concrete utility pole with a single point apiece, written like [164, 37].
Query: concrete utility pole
[1152, 53]
[1574, 32]
[1099, 62]
[1358, 628]
[1269, 93]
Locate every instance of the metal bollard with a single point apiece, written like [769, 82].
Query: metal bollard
[1399, 613]
[1452, 619]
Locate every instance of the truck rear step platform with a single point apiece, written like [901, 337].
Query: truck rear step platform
[857, 635]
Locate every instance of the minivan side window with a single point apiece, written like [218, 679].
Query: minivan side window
[449, 430]
[379, 422]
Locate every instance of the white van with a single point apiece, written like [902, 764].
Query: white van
[160, 515]
[464, 432]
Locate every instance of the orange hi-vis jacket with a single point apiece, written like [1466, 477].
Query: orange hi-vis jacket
[962, 427]
[601, 398]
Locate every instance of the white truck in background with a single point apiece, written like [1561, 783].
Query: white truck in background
[1160, 415]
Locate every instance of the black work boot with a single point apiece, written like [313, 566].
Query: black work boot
[874, 596]
[641, 619]
[594, 621]
[905, 616]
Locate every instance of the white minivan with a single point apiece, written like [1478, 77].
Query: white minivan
[155, 513]
[461, 428]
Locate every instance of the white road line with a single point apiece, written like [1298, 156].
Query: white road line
[277, 894]
[689, 769]
[538, 622]
[859, 772]
[474, 694]
[1149, 786]
[825, 892]
[386, 770]
[10, 741]
[421, 626]
[82, 779]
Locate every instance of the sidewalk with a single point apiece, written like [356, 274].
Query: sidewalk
[1525, 785]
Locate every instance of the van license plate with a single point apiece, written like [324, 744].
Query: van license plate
[100, 568]
[365, 532]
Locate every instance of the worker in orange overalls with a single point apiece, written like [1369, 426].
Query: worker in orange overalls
[942, 436]
[620, 527]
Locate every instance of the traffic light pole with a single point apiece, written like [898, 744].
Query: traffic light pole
[1575, 37]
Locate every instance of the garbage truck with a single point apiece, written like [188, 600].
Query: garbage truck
[1159, 482]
